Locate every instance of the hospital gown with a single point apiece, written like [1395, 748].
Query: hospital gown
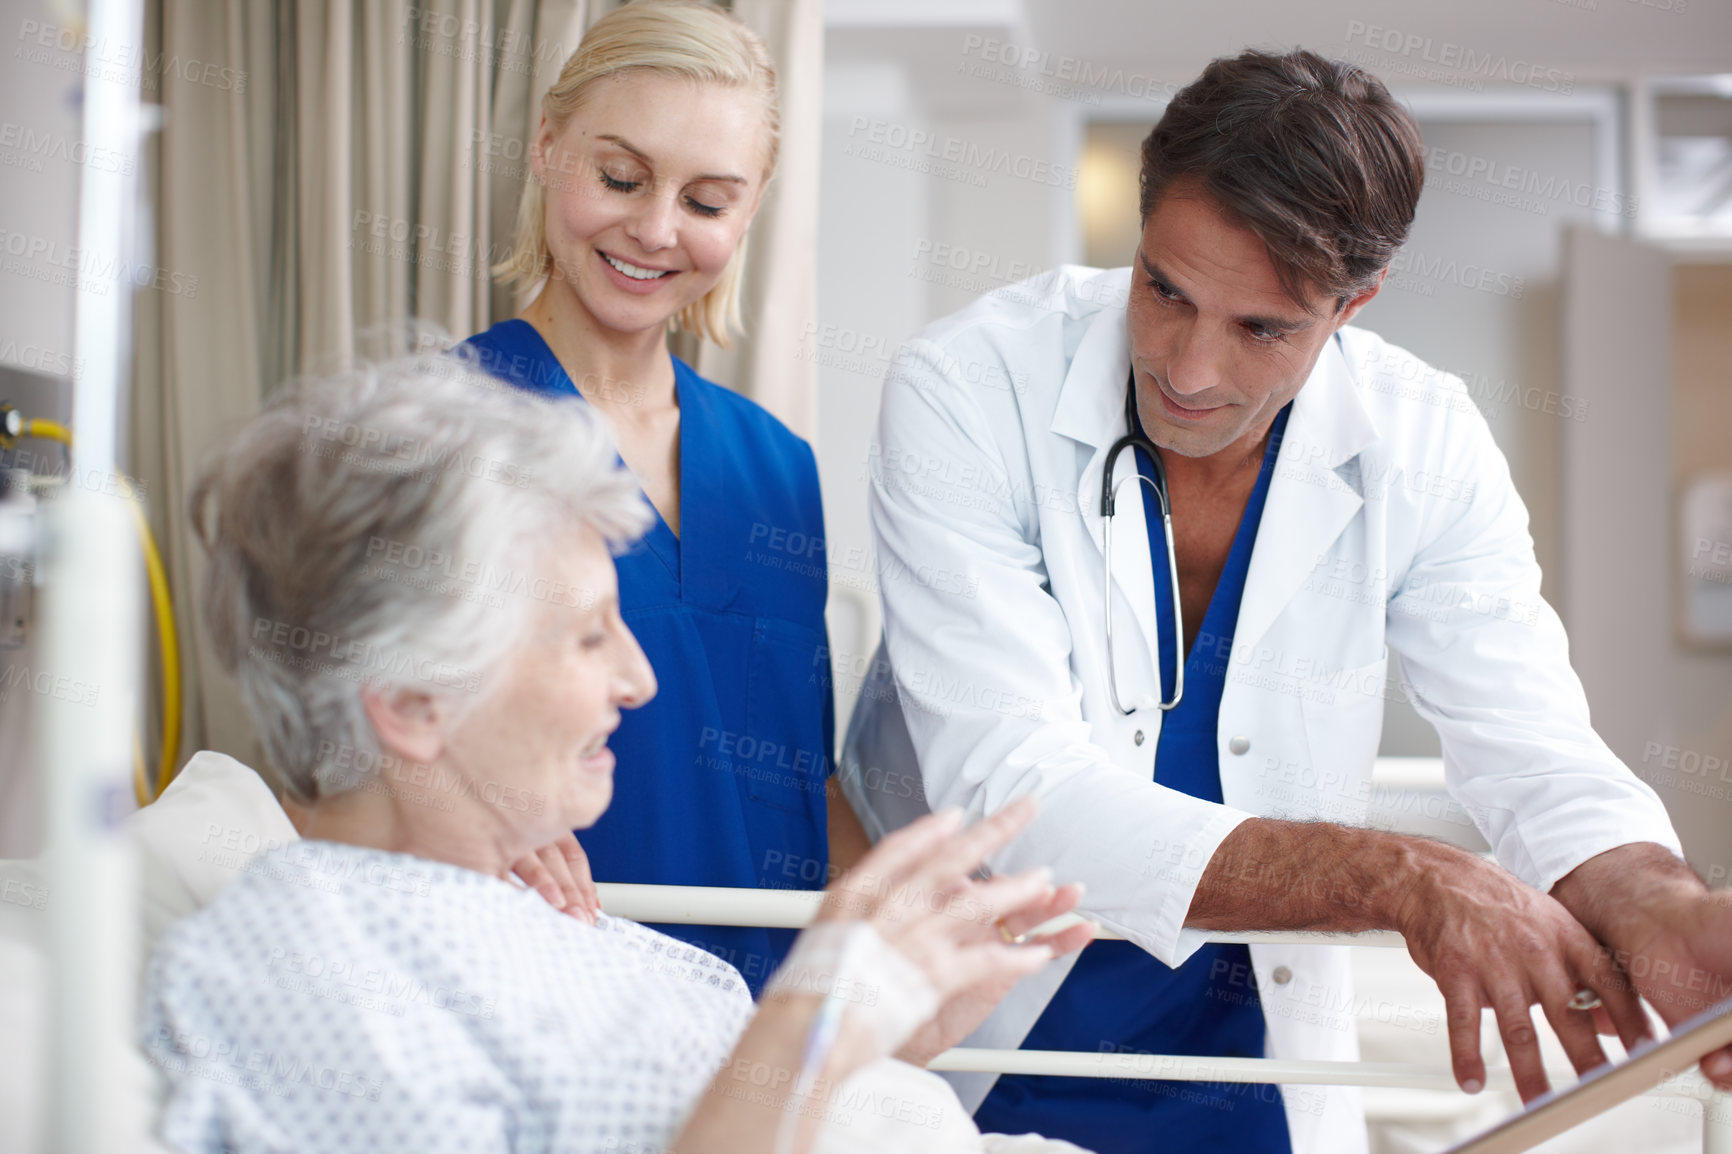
[337, 998]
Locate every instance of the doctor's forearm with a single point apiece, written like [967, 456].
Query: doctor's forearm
[1487, 938]
[1289, 875]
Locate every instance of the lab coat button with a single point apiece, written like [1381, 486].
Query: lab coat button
[1282, 975]
[1239, 745]
[1138, 737]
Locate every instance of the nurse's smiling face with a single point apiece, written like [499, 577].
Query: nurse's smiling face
[1217, 346]
[650, 187]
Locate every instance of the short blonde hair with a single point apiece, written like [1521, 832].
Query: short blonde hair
[685, 38]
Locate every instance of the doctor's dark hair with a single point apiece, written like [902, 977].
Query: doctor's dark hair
[389, 526]
[1312, 155]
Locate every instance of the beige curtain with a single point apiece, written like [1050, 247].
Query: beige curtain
[365, 167]
[780, 290]
[202, 356]
[339, 187]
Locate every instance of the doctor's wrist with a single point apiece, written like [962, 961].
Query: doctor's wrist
[1420, 870]
[1627, 896]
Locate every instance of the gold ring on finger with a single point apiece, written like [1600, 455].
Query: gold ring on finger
[1585, 1000]
[1010, 939]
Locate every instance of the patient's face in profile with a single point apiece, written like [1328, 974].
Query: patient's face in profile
[650, 188]
[535, 746]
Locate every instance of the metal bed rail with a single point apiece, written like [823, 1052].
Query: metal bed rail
[794, 909]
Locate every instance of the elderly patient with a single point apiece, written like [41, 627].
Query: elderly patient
[412, 568]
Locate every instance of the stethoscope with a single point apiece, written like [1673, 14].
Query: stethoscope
[1109, 494]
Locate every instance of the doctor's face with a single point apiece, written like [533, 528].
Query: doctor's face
[650, 188]
[1217, 346]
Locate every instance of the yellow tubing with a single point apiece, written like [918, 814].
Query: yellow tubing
[52, 430]
[167, 643]
[167, 640]
[140, 787]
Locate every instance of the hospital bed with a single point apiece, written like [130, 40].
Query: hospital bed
[218, 815]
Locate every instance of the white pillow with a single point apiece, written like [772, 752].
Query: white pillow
[205, 829]
[208, 825]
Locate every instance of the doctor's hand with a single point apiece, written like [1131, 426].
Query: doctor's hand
[1489, 940]
[559, 872]
[1664, 928]
[918, 890]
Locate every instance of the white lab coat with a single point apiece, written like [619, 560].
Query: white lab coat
[1391, 521]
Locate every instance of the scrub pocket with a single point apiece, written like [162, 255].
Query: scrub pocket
[782, 756]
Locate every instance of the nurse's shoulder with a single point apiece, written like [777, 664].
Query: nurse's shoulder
[757, 440]
[513, 352]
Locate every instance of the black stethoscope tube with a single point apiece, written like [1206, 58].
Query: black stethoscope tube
[1136, 440]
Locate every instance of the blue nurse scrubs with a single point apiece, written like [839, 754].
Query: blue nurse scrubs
[720, 778]
[1117, 998]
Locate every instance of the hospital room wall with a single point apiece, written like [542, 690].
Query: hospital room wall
[1657, 700]
[1646, 342]
[890, 231]
[1699, 679]
[38, 239]
[39, 194]
[1477, 292]
[863, 313]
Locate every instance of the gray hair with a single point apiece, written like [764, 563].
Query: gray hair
[381, 526]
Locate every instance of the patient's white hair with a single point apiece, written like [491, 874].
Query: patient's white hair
[384, 526]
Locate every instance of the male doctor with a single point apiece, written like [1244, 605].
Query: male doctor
[1331, 497]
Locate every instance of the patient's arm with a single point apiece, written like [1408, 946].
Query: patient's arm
[916, 892]
[743, 1107]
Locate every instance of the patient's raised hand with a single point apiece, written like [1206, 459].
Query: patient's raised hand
[917, 889]
[966, 1009]
[909, 951]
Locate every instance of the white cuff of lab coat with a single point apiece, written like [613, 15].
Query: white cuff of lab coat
[1564, 838]
[1173, 886]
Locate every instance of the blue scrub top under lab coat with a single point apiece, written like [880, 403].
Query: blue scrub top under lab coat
[1117, 998]
[720, 778]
